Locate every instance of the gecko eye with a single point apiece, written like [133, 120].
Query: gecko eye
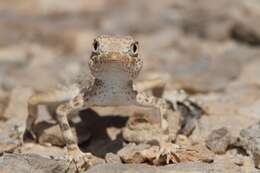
[95, 45]
[134, 48]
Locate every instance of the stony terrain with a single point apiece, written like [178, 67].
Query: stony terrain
[211, 49]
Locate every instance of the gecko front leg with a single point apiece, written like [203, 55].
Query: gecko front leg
[48, 98]
[167, 149]
[82, 160]
[143, 99]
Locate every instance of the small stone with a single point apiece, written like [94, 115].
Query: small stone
[96, 160]
[112, 158]
[194, 153]
[150, 153]
[3, 103]
[219, 140]
[51, 133]
[183, 140]
[131, 153]
[250, 140]
[141, 129]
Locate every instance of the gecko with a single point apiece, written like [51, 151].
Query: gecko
[114, 64]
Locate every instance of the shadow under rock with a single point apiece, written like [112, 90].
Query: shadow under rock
[101, 143]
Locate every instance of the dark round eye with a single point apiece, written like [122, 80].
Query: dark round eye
[95, 45]
[134, 48]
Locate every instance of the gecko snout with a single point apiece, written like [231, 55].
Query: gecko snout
[114, 57]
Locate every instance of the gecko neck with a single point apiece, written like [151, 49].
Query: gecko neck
[118, 84]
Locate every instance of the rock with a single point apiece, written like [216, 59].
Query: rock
[94, 160]
[14, 55]
[24, 163]
[121, 168]
[183, 120]
[141, 128]
[132, 153]
[50, 133]
[244, 30]
[181, 154]
[216, 167]
[219, 140]
[183, 140]
[144, 128]
[236, 109]
[155, 85]
[144, 153]
[193, 154]
[238, 156]
[15, 114]
[16, 111]
[7, 143]
[151, 153]
[251, 73]
[250, 140]
[211, 50]
[42, 150]
[112, 158]
[3, 103]
[198, 61]
[191, 167]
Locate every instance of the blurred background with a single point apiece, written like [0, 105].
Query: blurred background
[210, 48]
[198, 45]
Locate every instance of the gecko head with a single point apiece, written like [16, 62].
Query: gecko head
[114, 55]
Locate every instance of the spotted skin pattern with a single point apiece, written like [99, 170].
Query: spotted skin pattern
[114, 64]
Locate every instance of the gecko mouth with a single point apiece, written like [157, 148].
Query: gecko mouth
[115, 62]
[114, 57]
[99, 62]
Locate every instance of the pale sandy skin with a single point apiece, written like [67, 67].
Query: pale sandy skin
[114, 64]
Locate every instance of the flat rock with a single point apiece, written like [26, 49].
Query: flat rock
[112, 158]
[7, 143]
[3, 103]
[15, 114]
[219, 140]
[250, 140]
[193, 167]
[144, 153]
[235, 109]
[42, 150]
[245, 30]
[251, 73]
[199, 61]
[51, 133]
[141, 128]
[24, 163]
[132, 153]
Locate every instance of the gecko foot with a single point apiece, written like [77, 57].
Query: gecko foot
[167, 152]
[81, 160]
[189, 108]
